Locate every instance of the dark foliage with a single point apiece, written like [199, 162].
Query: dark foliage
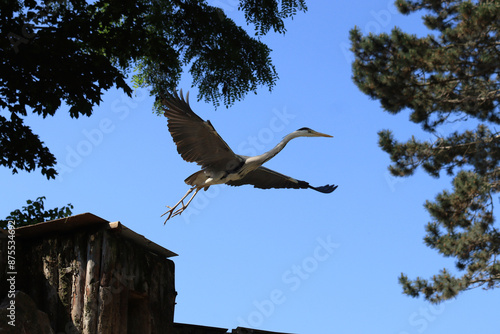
[70, 52]
[35, 213]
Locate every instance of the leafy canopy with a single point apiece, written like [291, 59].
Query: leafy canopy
[71, 51]
[448, 76]
[35, 213]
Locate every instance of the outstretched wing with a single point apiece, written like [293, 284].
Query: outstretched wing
[266, 178]
[196, 139]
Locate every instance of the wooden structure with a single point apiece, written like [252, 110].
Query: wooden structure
[93, 276]
[90, 276]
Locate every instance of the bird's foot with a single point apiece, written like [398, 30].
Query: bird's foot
[173, 212]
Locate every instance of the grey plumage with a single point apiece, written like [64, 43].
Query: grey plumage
[198, 141]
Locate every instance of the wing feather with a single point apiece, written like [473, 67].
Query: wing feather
[196, 139]
[265, 178]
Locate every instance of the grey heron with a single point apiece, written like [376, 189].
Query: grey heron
[197, 141]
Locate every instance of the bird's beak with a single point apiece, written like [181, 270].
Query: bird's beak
[319, 134]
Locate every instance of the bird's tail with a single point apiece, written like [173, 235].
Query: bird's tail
[195, 179]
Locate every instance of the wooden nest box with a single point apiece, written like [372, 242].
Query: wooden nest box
[93, 276]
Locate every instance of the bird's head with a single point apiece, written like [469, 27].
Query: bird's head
[306, 132]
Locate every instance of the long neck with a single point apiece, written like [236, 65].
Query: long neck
[260, 159]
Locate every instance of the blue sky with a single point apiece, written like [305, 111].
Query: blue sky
[293, 261]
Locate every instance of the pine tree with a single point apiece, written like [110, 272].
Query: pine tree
[450, 75]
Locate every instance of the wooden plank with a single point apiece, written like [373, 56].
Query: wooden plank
[109, 317]
[79, 264]
[65, 264]
[91, 293]
[49, 252]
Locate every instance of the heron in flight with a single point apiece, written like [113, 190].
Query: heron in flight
[197, 141]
